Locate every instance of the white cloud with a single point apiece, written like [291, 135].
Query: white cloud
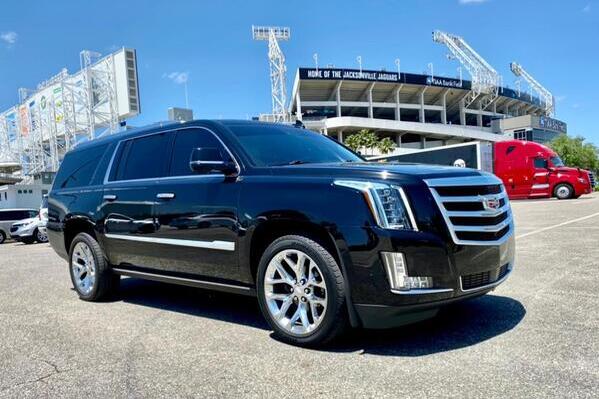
[468, 2]
[177, 77]
[9, 38]
[587, 8]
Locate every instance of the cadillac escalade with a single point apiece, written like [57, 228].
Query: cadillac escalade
[324, 239]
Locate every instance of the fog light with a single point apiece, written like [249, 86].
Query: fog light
[395, 263]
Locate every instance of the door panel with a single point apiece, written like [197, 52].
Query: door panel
[198, 227]
[540, 182]
[129, 210]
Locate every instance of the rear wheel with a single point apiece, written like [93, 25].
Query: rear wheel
[301, 291]
[563, 191]
[90, 273]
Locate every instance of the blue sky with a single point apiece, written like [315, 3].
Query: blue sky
[208, 43]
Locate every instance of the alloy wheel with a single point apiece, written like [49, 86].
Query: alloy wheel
[41, 236]
[295, 292]
[83, 267]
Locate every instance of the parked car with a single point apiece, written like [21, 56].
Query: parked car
[29, 230]
[321, 237]
[43, 215]
[10, 216]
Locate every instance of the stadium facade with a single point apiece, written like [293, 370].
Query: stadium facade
[416, 111]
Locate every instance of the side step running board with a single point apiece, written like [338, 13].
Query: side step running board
[210, 285]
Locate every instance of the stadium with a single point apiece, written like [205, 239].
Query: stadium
[415, 111]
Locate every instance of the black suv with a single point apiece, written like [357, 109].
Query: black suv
[323, 238]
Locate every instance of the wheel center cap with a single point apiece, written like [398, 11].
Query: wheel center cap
[298, 290]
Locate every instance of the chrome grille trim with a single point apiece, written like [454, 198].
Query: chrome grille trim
[481, 180]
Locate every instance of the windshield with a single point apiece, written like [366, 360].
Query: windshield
[557, 161]
[282, 145]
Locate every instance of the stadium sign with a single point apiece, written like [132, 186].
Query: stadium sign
[546, 122]
[380, 76]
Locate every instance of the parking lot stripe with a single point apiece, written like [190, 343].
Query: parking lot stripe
[557, 225]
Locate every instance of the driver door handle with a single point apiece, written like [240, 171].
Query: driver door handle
[165, 196]
[109, 197]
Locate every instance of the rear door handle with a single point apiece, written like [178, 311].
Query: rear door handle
[165, 196]
[110, 197]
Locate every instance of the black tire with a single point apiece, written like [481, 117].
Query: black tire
[335, 319]
[563, 191]
[106, 282]
[36, 234]
[2, 237]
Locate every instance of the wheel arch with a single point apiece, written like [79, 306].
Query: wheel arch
[267, 232]
[75, 225]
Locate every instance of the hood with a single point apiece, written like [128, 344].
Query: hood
[379, 170]
[571, 171]
[25, 221]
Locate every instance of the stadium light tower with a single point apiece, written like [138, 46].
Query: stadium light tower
[485, 79]
[278, 70]
[545, 95]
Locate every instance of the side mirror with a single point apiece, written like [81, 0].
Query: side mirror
[211, 160]
[551, 169]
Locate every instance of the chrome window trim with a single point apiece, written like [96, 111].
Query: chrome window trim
[217, 245]
[111, 164]
[510, 268]
[483, 180]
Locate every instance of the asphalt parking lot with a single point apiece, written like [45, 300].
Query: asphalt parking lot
[537, 335]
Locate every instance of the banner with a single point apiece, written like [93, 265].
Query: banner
[24, 127]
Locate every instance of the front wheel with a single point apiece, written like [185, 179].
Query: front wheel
[563, 191]
[90, 273]
[301, 291]
[2, 237]
[40, 236]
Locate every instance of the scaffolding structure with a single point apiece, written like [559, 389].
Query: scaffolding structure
[544, 94]
[485, 79]
[278, 69]
[64, 111]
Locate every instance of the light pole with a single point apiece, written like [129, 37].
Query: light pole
[398, 64]
[460, 72]
[315, 56]
[430, 68]
[359, 59]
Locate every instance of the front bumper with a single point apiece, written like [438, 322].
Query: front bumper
[459, 272]
[23, 232]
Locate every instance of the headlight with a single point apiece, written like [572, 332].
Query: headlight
[388, 203]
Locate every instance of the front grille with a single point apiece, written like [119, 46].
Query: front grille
[476, 209]
[592, 180]
[477, 280]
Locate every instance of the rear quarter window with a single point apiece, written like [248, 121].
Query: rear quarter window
[78, 168]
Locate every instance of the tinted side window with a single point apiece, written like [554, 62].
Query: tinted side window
[540, 163]
[185, 141]
[143, 158]
[78, 167]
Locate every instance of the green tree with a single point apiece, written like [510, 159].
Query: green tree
[575, 152]
[363, 139]
[386, 145]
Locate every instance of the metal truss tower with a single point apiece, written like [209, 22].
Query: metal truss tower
[544, 94]
[278, 70]
[485, 79]
[61, 112]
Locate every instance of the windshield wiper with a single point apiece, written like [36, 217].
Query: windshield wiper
[294, 162]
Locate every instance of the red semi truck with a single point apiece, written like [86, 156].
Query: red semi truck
[532, 170]
[528, 169]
